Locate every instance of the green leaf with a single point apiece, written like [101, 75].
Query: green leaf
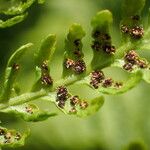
[132, 7]
[131, 20]
[12, 21]
[94, 106]
[102, 40]
[29, 112]
[15, 10]
[43, 60]
[12, 70]
[15, 7]
[12, 138]
[101, 60]
[130, 83]
[75, 32]
[102, 20]
[144, 71]
[122, 87]
[73, 49]
[46, 50]
[16, 56]
[74, 105]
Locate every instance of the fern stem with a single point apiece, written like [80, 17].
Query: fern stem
[24, 98]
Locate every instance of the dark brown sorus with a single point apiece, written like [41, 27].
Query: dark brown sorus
[74, 100]
[7, 141]
[77, 42]
[99, 75]
[83, 104]
[106, 37]
[96, 34]
[79, 66]
[69, 63]
[137, 32]
[78, 53]
[16, 66]
[95, 84]
[107, 82]
[62, 93]
[96, 46]
[46, 79]
[109, 49]
[128, 66]
[18, 136]
[96, 78]
[8, 135]
[44, 66]
[135, 17]
[73, 110]
[118, 84]
[29, 109]
[141, 63]
[2, 131]
[61, 103]
[102, 36]
[131, 57]
[124, 29]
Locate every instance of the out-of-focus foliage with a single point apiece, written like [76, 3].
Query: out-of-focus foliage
[14, 11]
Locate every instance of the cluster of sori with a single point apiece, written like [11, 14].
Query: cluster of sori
[132, 60]
[134, 30]
[74, 101]
[9, 136]
[102, 41]
[45, 76]
[77, 65]
[29, 109]
[98, 77]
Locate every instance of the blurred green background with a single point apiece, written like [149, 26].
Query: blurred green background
[123, 119]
